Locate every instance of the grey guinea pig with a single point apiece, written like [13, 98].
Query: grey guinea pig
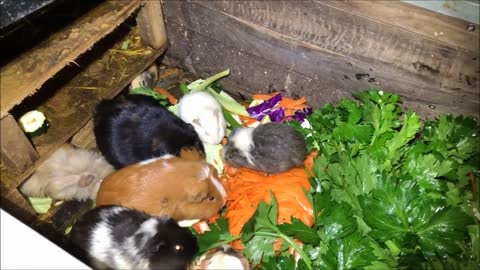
[115, 237]
[271, 148]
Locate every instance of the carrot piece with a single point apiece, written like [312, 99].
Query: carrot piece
[264, 96]
[297, 104]
[246, 188]
[162, 91]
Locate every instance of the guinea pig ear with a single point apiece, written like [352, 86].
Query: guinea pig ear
[86, 180]
[200, 190]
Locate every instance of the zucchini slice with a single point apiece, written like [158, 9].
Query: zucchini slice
[34, 123]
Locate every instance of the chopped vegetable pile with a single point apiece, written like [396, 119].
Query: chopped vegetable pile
[383, 190]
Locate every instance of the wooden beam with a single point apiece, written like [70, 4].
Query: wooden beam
[27, 73]
[151, 24]
[314, 50]
[17, 151]
[432, 25]
[85, 138]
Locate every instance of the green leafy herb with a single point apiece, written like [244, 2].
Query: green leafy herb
[162, 100]
[216, 236]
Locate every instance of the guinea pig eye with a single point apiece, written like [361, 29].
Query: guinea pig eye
[211, 198]
[178, 248]
[230, 156]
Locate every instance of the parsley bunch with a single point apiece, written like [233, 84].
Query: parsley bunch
[388, 192]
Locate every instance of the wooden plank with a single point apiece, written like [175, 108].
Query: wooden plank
[10, 198]
[23, 76]
[73, 103]
[17, 151]
[85, 138]
[282, 59]
[346, 34]
[151, 24]
[14, 203]
[435, 26]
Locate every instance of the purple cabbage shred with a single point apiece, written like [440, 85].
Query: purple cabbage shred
[259, 111]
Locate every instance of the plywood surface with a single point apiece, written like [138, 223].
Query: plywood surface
[23, 76]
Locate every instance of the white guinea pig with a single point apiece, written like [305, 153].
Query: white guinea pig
[205, 114]
[223, 257]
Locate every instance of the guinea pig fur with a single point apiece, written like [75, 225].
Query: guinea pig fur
[134, 128]
[204, 112]
[69, 173]
[148, 78]
[271, 148]
[223, 257]
[179, 188]
[116, 237]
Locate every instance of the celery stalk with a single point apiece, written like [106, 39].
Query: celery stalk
[204, 84]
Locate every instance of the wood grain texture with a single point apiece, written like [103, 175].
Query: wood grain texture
[23, 76]
[435, 26]
[16, 150]
[261, 58]
[151, 24]
[311, 57]
[85, 138]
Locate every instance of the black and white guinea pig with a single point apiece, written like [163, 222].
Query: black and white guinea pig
[115, 237]
[224, 257]
[271, 148]
[133, 128]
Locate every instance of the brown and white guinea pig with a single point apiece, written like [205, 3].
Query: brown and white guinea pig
[69, 173]
[204, 112]
[179, 188]
[115, 237]
[224, 257]
[271, 148]
[133, 128]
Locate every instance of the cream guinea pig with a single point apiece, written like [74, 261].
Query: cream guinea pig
[166, 186]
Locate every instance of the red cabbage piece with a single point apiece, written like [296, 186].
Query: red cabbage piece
[300, 115]
[277, 115]
[259, 111]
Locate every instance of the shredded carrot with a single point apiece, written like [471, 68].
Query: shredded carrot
[173, 100]
[264, 96]
[246, 188]
[296, 104]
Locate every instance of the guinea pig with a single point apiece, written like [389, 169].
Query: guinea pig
[179, 188]
[223, 257]
[204, 112]
[148, 78]
[69, 173]
[116, 237]
[134, 128]
[271, 148]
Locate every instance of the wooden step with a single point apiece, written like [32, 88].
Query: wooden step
[27, 73]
